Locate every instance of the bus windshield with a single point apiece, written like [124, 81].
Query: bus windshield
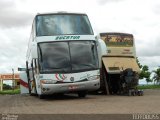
[63, 24]
[64, 57]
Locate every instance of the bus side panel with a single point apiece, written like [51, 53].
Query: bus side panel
[24, 83]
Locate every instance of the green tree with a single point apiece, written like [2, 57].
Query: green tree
[140, 66]
[156, 77]
[144, 74]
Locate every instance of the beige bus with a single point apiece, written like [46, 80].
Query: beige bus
[121, 55]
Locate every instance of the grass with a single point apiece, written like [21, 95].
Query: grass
[11, 92]
[149, 87]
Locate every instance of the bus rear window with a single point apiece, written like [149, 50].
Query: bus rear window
[118, 40]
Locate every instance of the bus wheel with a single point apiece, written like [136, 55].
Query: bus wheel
[41, 96]
[33, 94]
[82, 94]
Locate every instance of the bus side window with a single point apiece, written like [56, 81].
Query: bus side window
[33, 67]
[31, 70]
[36, 66]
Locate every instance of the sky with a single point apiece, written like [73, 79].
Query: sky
[138, 17]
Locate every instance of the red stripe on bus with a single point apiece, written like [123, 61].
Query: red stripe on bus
[25, 84]
[57, 76]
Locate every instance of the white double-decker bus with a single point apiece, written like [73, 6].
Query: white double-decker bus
[62, 55]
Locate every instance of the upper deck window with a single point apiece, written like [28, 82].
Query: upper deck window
[63, 24]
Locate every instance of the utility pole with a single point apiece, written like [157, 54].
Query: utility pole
[12, 79]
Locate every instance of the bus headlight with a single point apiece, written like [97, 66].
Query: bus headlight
[48, 81]
[95, 77]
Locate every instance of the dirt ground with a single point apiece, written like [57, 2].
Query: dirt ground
[71, 104]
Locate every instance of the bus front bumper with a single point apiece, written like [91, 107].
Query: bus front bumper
[70, 87]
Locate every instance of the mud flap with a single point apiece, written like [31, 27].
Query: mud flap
[24, 88]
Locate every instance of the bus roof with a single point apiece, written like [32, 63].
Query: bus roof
[60, 12]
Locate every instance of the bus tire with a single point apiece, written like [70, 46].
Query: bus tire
[82, 94]
[32, 94]
[41, 96]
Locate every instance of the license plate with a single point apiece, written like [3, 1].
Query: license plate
[72, 87]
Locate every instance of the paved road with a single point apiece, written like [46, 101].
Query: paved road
[71, 104]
